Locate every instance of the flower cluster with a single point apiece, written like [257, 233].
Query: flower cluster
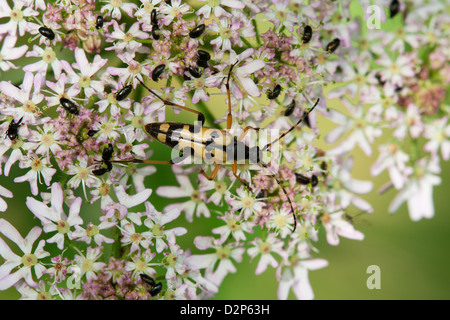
[76, 123]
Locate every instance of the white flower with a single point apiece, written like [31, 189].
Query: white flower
[54, 218]
[174, 261]
[247, 202]
[363, 131]
[48, 57]
[4, 193]
[28, 95]
[282, 221]
[25, 263]
[408, 122]
[133, 238]
[395, 71]
[88, 265]
[196, 202]
[235, 226]
[156, 221]
[83, 80]
[349, 186]
[244, 72]
[223, 254]
[115, 6]
[126, 40]
[296, 277]
[172, 10]
[394, 160]
[46, 139]
[418, 190]
[9, 52]
[216, 7]
[81, 174]
[141, 263]
[336, 226]
[265, 247]
[17, 15]
[39, 167]
[438, 133]
[92, 231]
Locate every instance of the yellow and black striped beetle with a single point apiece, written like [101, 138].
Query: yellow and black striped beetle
[214, 146]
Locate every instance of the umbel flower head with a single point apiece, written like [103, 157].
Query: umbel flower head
[84, 85]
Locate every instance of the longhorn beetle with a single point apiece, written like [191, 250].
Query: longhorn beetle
[213, 146]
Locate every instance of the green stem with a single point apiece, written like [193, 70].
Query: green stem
[203, 108]
[414, 150]
[248, 44]
[143, 40]
[116, 247]
[258, 38]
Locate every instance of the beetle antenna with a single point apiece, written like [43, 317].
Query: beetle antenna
[284, 191]
[293, 127]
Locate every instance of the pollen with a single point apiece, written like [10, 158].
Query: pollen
[233, 225]
[213, 3]
[128, 37]
[111, 98]
[36, 164]
[171, 260]
[49, 56]
[161, 137]
[280, 220]
[84, 82]
[92, 230]
[264, 247]
[116, 3]
[325, 218]
[104, 189]
[29, 106]
[223, 252]
[195, 196]
[137, 122]
[248, 202]
[62, 227]
[136, 237]
[16, 15]
[225, 33]
[221, 187]
[134, 68]
[29, 260]
[87, 265]
[82, 173]
[47, 139]
[107, 128]
[157, 230]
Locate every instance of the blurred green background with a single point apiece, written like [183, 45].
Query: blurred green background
[413, 256]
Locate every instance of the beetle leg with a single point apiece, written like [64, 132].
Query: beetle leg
[213, 173]
[284, 191]
[227, 86]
